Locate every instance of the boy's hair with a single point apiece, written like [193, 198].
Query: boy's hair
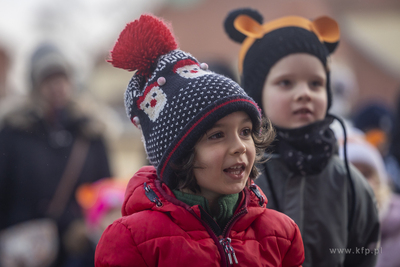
[262, 135]
[263, 45]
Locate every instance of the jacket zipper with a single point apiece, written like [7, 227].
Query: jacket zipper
[225, 241]
[226, 244]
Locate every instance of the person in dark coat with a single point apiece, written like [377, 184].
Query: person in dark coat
[38, 139]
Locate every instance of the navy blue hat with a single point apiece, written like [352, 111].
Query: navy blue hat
[263, 45]
[374, 116]
[172, 98]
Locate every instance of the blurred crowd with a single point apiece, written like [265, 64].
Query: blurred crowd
[52, 142]
[371, 144]
[55, 174]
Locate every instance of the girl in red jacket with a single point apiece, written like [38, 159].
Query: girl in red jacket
[197, 205]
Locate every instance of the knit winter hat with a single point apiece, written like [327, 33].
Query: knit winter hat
[172, 98]
[47, 60]
[263, 45]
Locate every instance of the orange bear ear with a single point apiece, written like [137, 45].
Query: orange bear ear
[327, 29]
[249, 27]
[252, 29]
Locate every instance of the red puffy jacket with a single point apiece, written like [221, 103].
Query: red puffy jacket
[158, 230]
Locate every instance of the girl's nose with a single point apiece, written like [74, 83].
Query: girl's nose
[303, 92]
[237, 146]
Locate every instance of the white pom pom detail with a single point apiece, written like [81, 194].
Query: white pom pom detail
[136, 122]
[204, 66]
[161, 81]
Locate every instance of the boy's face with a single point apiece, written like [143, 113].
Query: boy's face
[294, 93]
[224, 156]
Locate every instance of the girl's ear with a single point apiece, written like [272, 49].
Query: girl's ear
[230, 29]
[328, 29]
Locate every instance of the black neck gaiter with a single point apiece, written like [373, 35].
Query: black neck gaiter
[306, 150]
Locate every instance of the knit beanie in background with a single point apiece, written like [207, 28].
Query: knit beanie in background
[171, 97]
[263, 45]
[47, 60]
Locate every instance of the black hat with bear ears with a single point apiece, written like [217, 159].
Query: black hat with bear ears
[265, 44]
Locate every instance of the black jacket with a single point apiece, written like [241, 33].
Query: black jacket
[321, 205]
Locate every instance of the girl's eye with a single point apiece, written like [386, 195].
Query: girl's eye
[216, 136]
[246, 132]
[316, 83]
[284, 83]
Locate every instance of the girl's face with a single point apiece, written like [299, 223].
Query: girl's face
[224, 156]
[294, 93]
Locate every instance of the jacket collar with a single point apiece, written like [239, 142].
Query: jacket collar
[136, 199]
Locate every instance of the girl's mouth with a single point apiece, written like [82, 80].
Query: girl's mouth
[303, 111]
[235, 171]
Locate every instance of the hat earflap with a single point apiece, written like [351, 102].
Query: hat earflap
[230, 28]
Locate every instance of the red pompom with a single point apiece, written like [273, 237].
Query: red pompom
[141, 43]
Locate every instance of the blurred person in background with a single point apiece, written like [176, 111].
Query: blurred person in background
[101, 204]
[367, 159]
[48, 147]
[344, 90]
[4, 70]
[376, 121]
[394, 150]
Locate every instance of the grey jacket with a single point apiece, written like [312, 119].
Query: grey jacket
[322, 205]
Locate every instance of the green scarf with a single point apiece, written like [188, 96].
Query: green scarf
[227, 205]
